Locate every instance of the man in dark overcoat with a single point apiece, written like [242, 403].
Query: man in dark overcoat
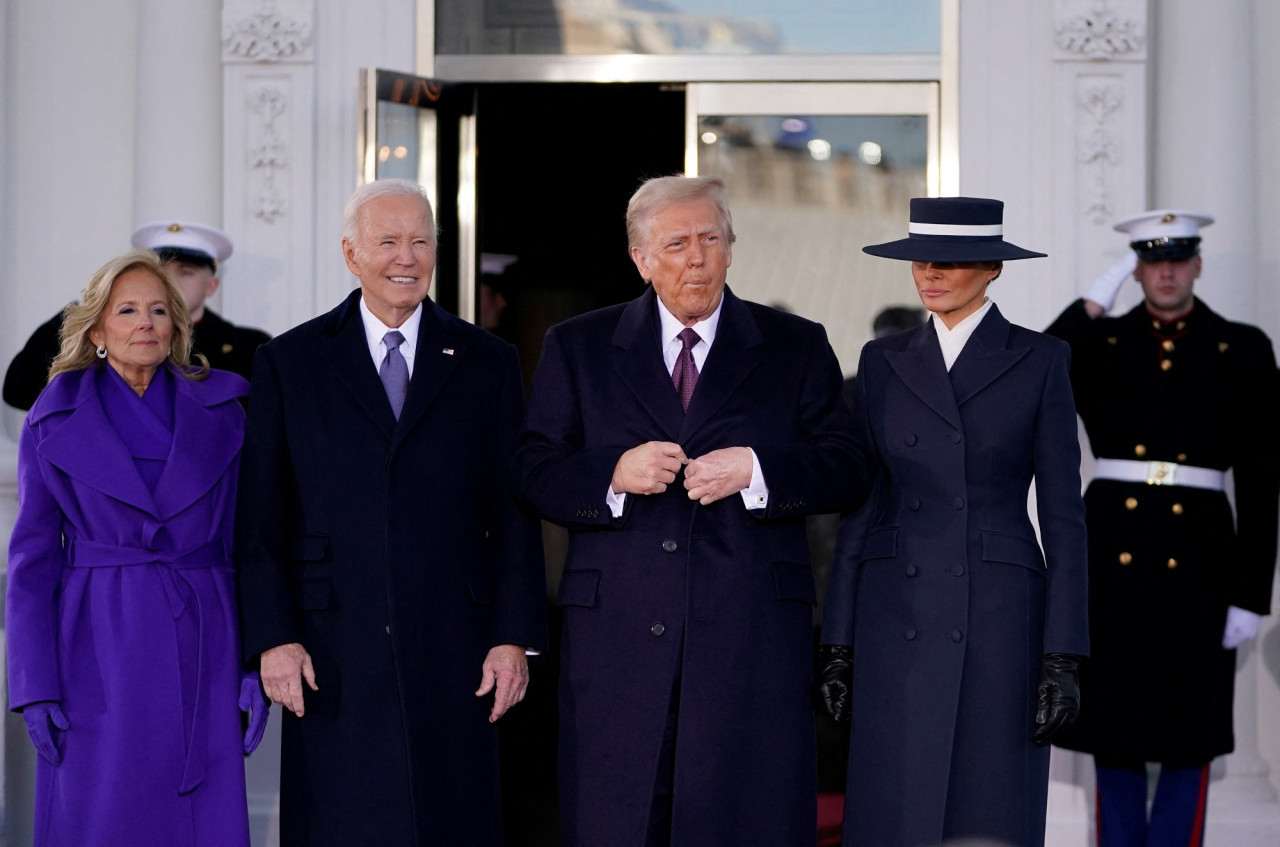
[1171, 395]
[962, 628]
[682, 438]
[387, 582]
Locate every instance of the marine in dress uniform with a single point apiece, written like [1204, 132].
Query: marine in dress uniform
[1170, 394]
[192, 253]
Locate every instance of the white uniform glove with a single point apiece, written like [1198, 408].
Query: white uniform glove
[1106, 285]
[1242, 625]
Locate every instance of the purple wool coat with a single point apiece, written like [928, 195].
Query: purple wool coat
[121, 607]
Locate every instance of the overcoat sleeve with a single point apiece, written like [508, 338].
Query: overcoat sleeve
[1061, 512]
[822, 467]
[263, 515]
[36, 557]
[555, 472]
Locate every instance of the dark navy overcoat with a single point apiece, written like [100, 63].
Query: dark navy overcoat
[946, 597]
[394, 553]
[722, 593]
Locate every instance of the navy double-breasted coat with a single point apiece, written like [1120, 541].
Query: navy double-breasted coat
[947, 599]
[719, 592]
[392, 551]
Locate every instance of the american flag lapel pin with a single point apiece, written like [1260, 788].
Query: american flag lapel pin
[448, 351]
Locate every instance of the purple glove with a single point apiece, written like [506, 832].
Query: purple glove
[38, 717]
[253, 702]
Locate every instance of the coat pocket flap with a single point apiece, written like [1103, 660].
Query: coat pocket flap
[578, 588]
[1011, 549]
[309, 548]
[794, 581]
[881, 544]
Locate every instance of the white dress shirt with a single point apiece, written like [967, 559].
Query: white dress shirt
[375, 329]
[953, 340]
[756, 494]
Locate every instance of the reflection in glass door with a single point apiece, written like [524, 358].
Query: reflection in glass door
[815, 171]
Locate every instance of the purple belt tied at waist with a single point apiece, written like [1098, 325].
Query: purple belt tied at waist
[92, 554]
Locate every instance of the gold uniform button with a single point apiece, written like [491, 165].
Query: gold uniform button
[1222, 346]
[1171, 564]
[1177, 508]
[227, 348]
[1140, 450]
[1111, 339]
[1155, 324]
[1165, 365]
[1126, 558]
[1131, 503]
[1167, 345]
[1182, 325]
[1182, 457]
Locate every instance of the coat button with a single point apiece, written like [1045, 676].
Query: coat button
[1126, 558]
[657, 629]
[388, 629]
[959, 570]
[670, 546]
[914, 505]
[1131, 503]
[958, 503]
[955, 438]
[1176, 508]
[955, 635]
[910, 440]
[1171, 564]
[1139, 450]
[911, 570]
[910, 635]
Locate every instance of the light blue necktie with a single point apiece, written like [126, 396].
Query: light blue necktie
[394, 372]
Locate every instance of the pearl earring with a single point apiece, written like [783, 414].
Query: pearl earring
[102, 351]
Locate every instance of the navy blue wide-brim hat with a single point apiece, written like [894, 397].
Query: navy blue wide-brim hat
[953, 229]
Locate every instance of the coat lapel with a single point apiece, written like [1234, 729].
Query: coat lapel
[86, 448]
[346, 357]
[985, 357]
[637, 359]
[440, 347]
[923, 370]
[205, 443]
[732, 357]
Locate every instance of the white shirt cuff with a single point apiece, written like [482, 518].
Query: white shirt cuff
[755, 495]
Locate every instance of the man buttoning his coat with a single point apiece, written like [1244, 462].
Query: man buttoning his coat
[682, 438]
[1171, 394]
[387, 581]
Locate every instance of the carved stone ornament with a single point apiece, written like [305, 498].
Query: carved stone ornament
[264, 35]
[1099, 99]
[1100, 34]
[268, 154]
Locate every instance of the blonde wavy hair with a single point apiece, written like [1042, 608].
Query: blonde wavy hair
[79, 319]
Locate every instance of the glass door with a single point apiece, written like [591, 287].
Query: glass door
[423, 130]
[815, 171]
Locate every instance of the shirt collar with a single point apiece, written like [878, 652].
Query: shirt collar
[374, 329]
[670, 326]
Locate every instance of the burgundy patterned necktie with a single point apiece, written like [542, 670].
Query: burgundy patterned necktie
[685, 374]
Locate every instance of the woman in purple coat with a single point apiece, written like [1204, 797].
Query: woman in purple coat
[121, 618]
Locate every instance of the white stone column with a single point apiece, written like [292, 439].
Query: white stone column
[178, 155]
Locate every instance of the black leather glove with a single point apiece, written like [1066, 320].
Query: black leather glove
[1058, 695]
[835, 678]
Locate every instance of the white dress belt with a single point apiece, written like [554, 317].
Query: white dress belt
[1159, 473]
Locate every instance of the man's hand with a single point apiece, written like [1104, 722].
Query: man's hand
[283, 668]
[1057, 696]
[648, 469]
[506, 673]
[718, 474]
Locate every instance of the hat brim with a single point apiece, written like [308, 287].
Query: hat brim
[924, 249]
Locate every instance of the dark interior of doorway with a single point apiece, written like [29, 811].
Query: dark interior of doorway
[557, 163]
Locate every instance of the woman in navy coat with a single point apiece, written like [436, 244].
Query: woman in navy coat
[962, 634]
[122, 639]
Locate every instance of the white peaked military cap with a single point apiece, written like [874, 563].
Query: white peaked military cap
[184, 241]
[1164, 234]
